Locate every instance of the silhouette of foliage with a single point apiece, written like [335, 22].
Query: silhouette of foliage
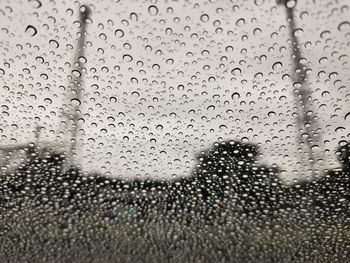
[330, 193]
[227, 174]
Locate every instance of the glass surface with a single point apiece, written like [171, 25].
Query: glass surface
[169, 131]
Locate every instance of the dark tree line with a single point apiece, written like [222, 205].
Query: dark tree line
[330, 193]
[229, 173]
[226, 174]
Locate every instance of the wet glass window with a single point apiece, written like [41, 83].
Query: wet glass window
[175, 131]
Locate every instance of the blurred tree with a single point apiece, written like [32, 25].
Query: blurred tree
[330, 194]
[334, 188]
[343, 153]
[228, 173]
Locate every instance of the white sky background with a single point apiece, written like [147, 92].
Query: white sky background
[118, 136]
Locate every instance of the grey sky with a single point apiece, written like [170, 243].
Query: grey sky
[175, 97]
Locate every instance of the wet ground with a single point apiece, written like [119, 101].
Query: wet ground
[45, 233]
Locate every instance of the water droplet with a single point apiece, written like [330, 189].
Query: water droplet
[76, 73]
[134, 17]
[153, 10]
[127, 58]
[257, 31]
[211, 107]
[258, 75]
[42, 108]
[347, 116]
[44, 76]
[135, 94]
[303, 14]
[204, 18]
[236, 71]
[82, 60]
[113, 99]
[31, 30]
[53, 43]
[259, 2]
[344, 26]
[36, 3]
[325, 34]
[323, 60]
[76, 102]
[168, 31]
[271, 114]
[155, 67]
[290, 3]
[229, 49]
[40, 60]
[340, 129]
[325, 94]
[298, 32]
[240, 22]
[119, 33]
[277, 65]
[235, 95]
[48, 100]
[102, 36]
[170, 61]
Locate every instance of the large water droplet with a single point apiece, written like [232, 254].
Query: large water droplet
[119, 33]
[53, 43]
[31, 30]
[344, 26]
[153, 10]
[204, 18]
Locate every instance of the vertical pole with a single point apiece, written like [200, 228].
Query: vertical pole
[307, 125]
[77, 81]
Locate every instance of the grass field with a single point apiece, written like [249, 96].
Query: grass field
[45, 233]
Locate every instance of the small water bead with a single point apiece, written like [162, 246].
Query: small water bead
[153, 10]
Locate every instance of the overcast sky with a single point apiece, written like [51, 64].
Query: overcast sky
[181, 76]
